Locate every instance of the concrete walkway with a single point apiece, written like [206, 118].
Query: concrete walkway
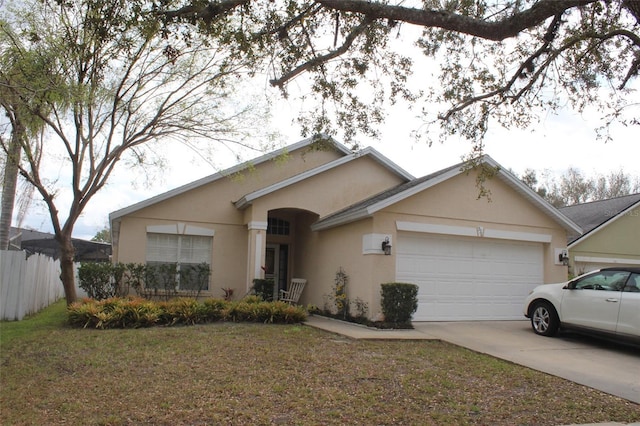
[611, 369]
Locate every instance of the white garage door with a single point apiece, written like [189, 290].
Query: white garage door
[464, 278]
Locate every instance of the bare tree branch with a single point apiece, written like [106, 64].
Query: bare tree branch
[318, 60]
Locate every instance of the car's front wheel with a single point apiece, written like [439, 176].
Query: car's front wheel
[544, 319]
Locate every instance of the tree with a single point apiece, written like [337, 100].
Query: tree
[116, 89]
[530, 179]
[17, 66]
[499, 61]
[573, 187]
[103, 236]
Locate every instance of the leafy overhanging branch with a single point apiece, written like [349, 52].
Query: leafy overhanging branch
[297, 35]
[479, 27]
[322, 59]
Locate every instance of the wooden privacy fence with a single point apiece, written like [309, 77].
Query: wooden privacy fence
[27, 285]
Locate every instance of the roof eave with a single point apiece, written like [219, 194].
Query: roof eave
[343, 220]
[227, 172]
[510, 179]
[246, 200]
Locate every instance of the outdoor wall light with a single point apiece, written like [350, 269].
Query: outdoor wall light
[563, 257]
[386, 246]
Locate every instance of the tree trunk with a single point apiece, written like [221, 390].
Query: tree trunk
[67, 253]
[9, 184]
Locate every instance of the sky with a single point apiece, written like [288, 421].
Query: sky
[555, 144]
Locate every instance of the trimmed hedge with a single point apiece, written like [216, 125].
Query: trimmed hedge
[137, 312]
[399, 302]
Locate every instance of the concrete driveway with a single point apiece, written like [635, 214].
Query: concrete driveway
[605, 366]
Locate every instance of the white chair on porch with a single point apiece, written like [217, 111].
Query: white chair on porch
[294, 292]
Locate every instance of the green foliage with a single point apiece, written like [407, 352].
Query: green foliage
[101, 280]
[574, 187]
[102, 81]
[263, 288]
[490, 62]
[159, 281]
[102, 236]
[399, 302]
[138, 312]
[339, 295]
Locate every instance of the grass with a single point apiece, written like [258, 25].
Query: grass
[240, 374]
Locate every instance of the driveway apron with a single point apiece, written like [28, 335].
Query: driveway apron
[612, 368]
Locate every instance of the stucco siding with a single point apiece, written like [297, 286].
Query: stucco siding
[455, 203]
[331, 190]
[610, 245]
[228, 262]
[341, 247]
[620, 238]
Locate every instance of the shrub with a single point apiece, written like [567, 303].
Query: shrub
[138, 312]
[114, 313]
[263, 288]
[399, 302]
[213, 309]
[183, 311]
[97, 280]
[339, 294]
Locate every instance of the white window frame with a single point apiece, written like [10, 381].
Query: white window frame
[181, 230]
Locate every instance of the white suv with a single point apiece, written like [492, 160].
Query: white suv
[604, 302]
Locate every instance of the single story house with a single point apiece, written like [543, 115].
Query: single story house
[304, 212]
[611, 234]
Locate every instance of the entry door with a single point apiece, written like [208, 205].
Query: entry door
[276, 266]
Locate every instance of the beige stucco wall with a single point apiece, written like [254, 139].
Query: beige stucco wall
[455, 203]
[329, 191]
[211, 207]
[615, 244]
[317, 256]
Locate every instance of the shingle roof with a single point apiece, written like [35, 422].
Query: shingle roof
[592, 215]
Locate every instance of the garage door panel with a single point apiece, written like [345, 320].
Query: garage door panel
[463, 278]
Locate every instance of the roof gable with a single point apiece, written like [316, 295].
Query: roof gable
[114, 216]
[368, 207]
[370, 152]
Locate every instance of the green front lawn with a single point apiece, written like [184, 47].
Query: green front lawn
[236, 374]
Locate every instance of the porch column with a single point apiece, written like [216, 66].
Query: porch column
[255, 252]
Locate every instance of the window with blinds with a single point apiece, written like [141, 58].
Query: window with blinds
[185, 252]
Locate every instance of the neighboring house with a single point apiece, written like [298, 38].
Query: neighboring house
[44, 243]
[301, 212]
[611, 234]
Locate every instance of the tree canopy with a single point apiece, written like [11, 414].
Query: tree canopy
[109, 88]
[493, 61]
[575, 187]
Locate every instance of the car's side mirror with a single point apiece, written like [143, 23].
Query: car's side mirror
[571, 285]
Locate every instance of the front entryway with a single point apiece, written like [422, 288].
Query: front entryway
[276, 266]
[465, 278]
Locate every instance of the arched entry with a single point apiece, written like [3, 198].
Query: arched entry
[287, 231]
